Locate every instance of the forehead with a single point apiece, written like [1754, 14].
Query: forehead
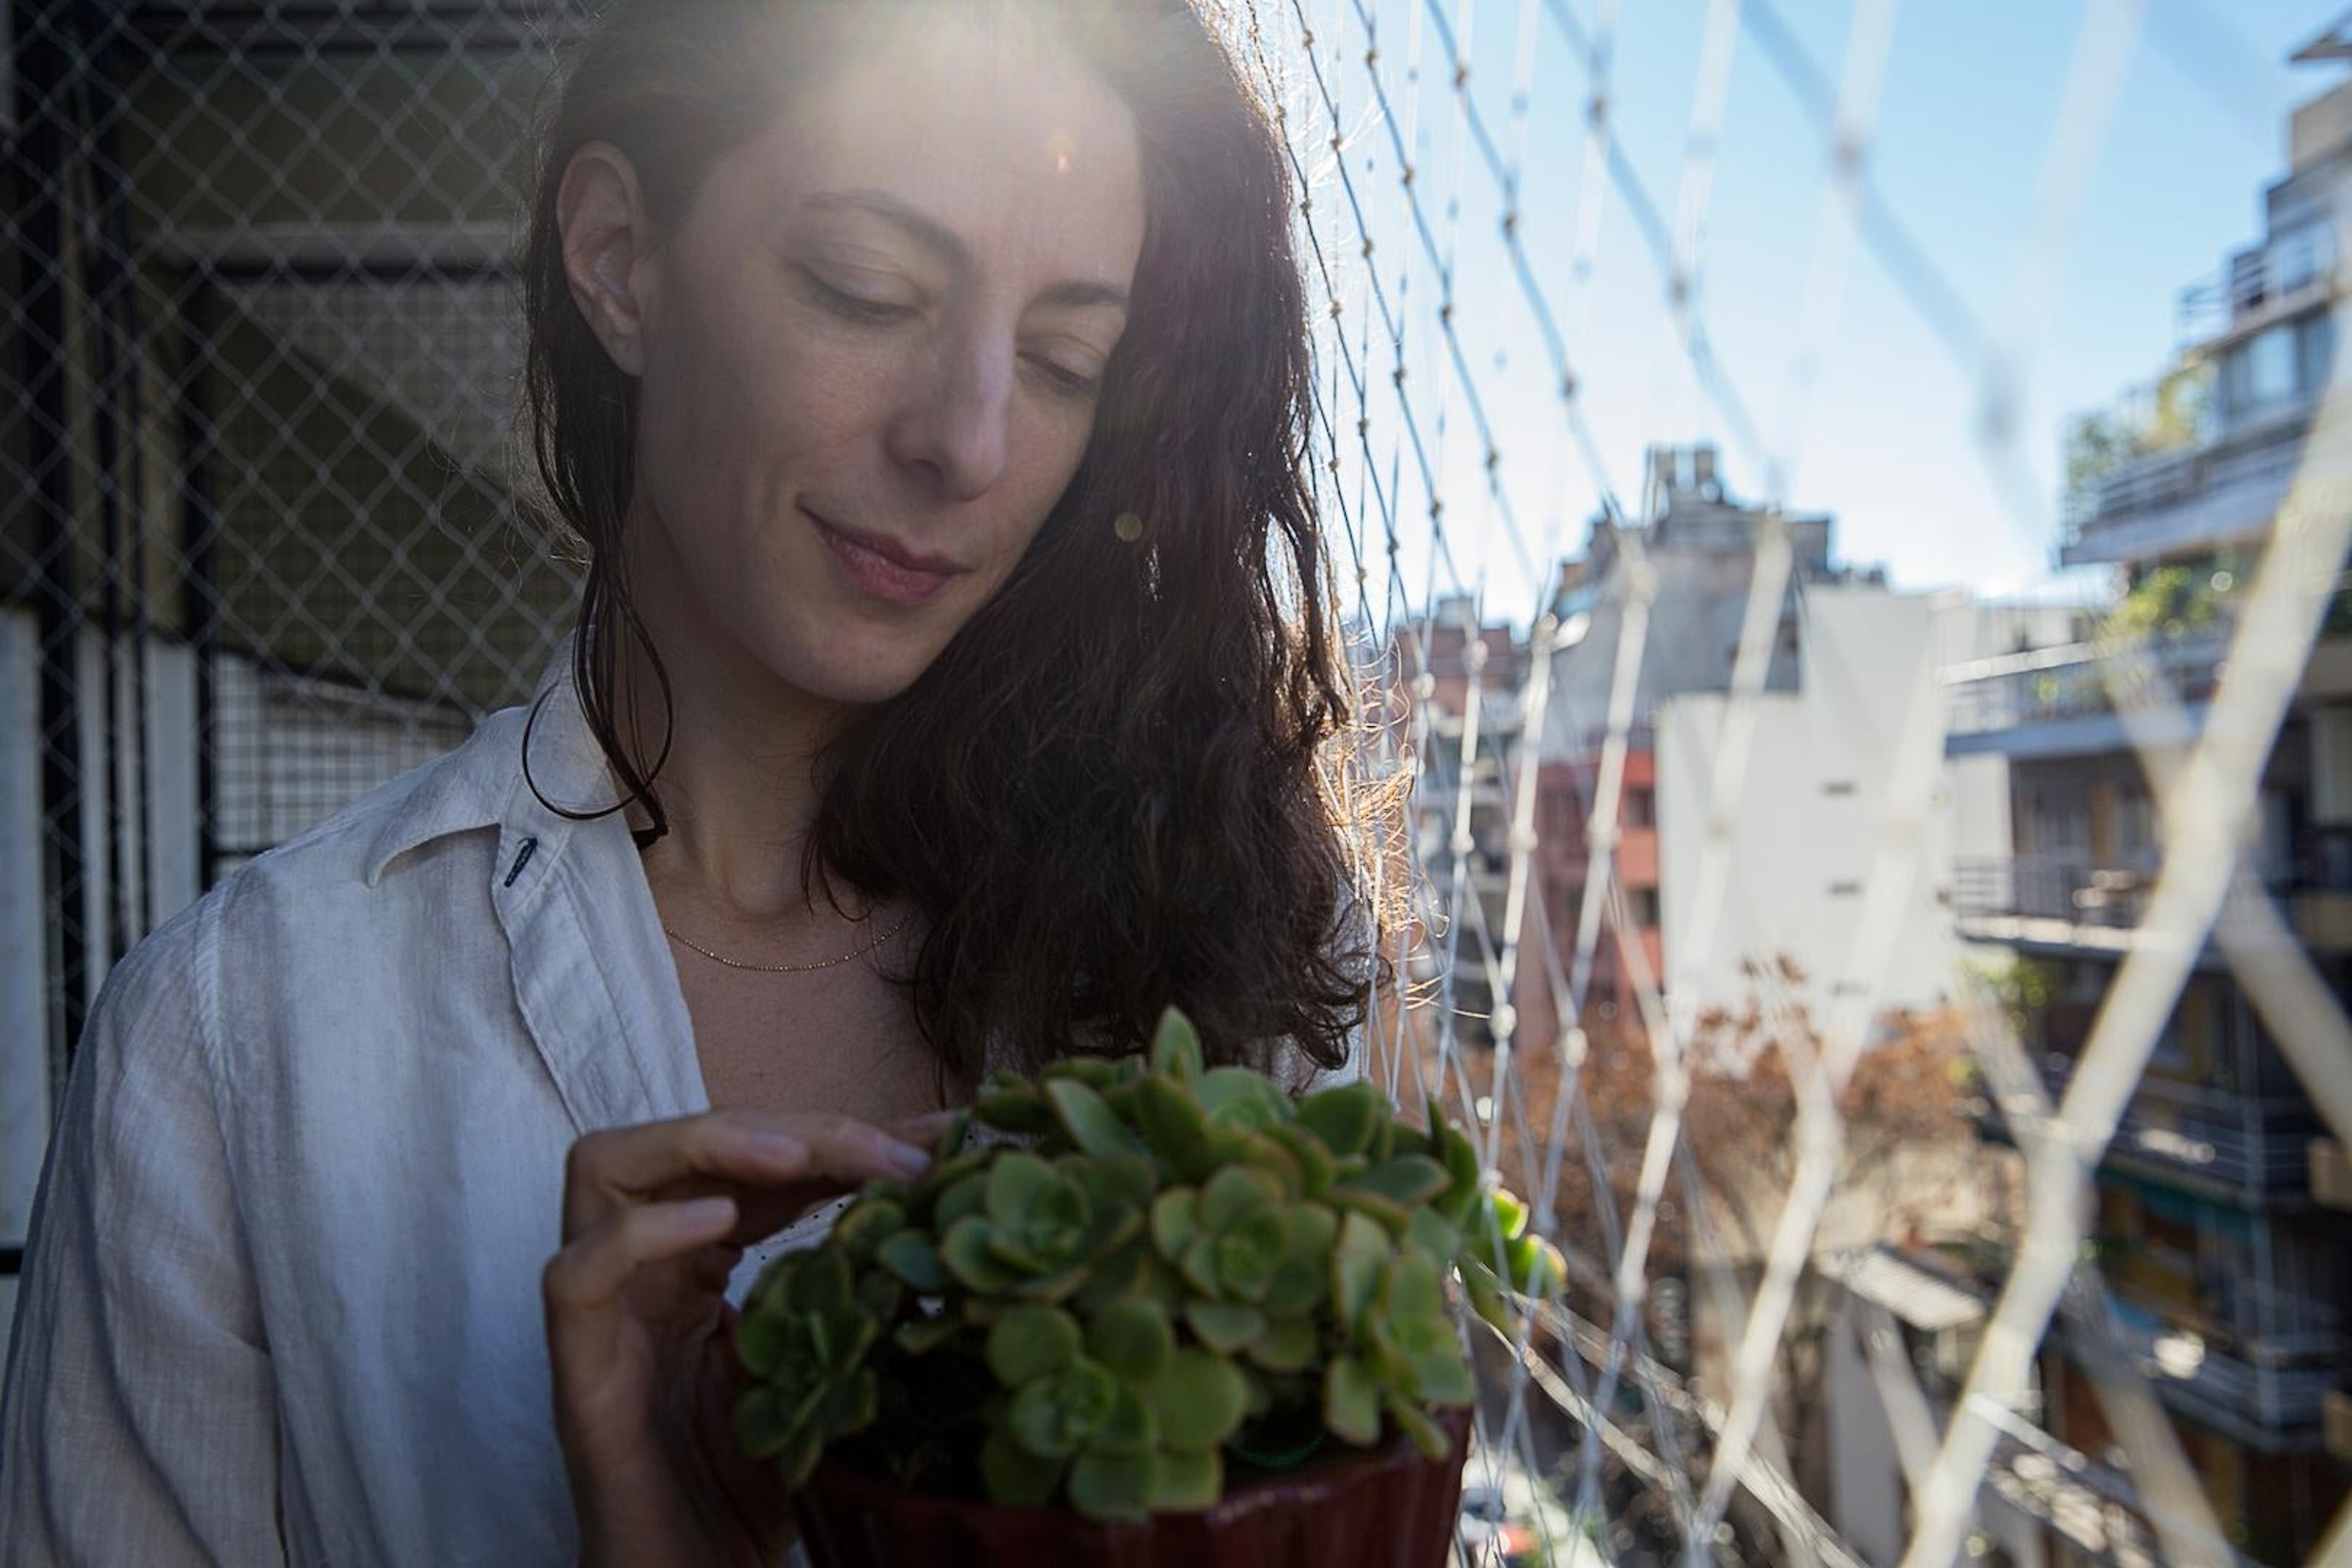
[1025, 155]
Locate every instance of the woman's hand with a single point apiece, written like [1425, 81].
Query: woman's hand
[640, 1334]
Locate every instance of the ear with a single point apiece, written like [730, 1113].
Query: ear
[607, 250]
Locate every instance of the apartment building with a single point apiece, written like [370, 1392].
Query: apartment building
[2217, 1232]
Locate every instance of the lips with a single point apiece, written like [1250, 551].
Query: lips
[883, 568]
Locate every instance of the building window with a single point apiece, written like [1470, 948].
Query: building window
[2261, 373]
[1641, 808]
[1642, 903]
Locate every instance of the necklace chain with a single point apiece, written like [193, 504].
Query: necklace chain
[796, 968]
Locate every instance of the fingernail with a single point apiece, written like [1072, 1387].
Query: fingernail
[908, 1158]
[778, 1148]
[705, 1212]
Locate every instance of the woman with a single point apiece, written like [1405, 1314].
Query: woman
[955, 686]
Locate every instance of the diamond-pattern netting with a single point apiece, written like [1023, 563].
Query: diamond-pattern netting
[264, 550]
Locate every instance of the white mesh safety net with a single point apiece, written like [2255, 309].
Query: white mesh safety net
[1852, 1275]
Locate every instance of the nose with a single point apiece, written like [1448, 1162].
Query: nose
[953, 429]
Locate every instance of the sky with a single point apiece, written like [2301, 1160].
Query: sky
[2175, 114]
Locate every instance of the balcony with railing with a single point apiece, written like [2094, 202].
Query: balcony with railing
[2243, 1354]
[2293, 272]
[1997, 896]
[2057, 701]
[2247, 1145]
[2269, 1389]
[2159, 472]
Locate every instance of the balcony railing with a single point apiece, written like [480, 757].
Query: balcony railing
[2254, 284]
[2256, 1144]
[2053, 685]
[2049, 887]
[2225, 1388]
[2219, 487]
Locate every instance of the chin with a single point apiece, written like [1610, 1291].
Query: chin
[859, 676]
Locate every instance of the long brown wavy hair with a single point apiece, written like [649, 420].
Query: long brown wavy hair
[1131, 777]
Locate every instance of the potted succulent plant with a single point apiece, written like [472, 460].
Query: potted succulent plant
[1177, 1316]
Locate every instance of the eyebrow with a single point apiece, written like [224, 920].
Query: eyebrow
[949, 246]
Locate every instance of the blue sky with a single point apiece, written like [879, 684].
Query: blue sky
[1971, 100]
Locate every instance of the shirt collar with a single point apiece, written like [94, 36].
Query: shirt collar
[482, 783]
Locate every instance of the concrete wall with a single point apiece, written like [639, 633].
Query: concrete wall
[1813, 807]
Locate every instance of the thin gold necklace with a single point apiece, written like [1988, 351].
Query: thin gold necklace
[796, 968]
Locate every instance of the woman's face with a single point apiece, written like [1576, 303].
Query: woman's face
[870, 353]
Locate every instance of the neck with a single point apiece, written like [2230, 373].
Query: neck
[740, 785]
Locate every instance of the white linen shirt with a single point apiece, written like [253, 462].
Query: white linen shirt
[281, 1292]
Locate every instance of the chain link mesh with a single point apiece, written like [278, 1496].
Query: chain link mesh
[264, 550]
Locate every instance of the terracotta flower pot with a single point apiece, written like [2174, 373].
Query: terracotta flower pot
[1385, 1508]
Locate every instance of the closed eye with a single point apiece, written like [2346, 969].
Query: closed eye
[856, 308]
[1066, 380]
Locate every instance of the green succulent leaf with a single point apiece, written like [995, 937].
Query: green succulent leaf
[1187, 1481]
[1172, 1122]
[1345, 1117]
[1246, 1253]
[1175, 1222]
[1287, 1345]
[762, 1425]
[1351, 1402]
[1223, 1326]
[925, 1334]
[1232, 1193]
[1452, 1148]
[1356, 1263]
[759, 1343]
[964, 1249]
[1113, 1486]
[1389, 1214]
[910, 1256]
[1059, 1413]
[879, 1294]
[1128, 1428]
[1014, 1475]
[1050, 1231]
[967, 1195]
[1176, 1046]
[1316, 1167]
[867, 1221]
[1427, 1230]
[1029, 1341]
[800, 1455]
[1297, 1285]
[1012, 1104]
[822, 1280]
[1016, 1183]
[1406, 1180]
[1097, 1073]
[1239, 1098]
[1485, 1294]
[1198, 1400]
[1092, 1125]
[1426, 1435]
[1133, 1338]
[1537, 1267]
[1270, 1155]
[1411, 1289]
[1125, 1273]
[851, 1405]
[1130, 1179]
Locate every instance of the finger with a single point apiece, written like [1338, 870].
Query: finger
[618, 1165]
[924, 1128]
[580, 1288]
